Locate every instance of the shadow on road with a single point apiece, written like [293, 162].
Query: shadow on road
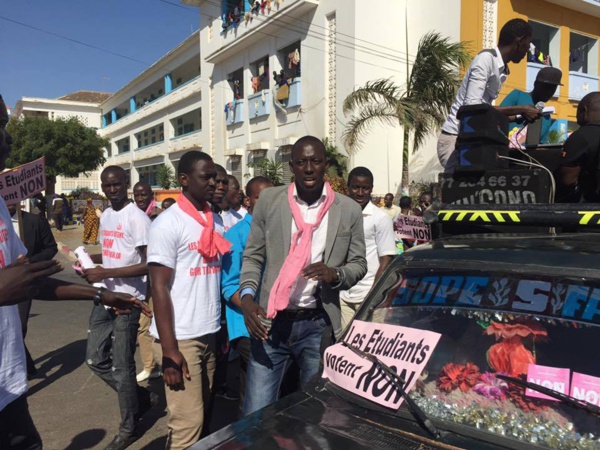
[87, 439]
[67, 358]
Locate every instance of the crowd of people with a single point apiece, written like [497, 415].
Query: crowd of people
[275, 274]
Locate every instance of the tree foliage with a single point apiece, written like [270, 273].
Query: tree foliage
[70, 147]
[269, 168]
[421, 105]
[165, 177]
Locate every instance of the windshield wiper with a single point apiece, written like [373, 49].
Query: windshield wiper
[582, 404]
[399, 384]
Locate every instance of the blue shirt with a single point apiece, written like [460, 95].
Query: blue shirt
[517, 98]
[230, 276]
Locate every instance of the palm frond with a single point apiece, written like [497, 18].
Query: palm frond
[381, 92]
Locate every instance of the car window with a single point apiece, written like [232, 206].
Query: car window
[538, 329]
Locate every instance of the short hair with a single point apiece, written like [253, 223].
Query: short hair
[390, 194]
[405, 202]
[311, 140]
[116, 170]
[189, 160]
[591, 101]
[514, 29]
[142, 184]
[254, 181]
[426, 193]
[232, 178]
[220, 168]
[168, 200]
[360, 172]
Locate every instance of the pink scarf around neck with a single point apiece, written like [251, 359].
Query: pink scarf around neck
[150, 207]
[299, 254]
[211, 243]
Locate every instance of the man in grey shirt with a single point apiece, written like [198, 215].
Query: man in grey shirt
[482, 83]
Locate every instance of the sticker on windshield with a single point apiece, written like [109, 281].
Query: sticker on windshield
[554, 378]
[405, 350]
[586, 387]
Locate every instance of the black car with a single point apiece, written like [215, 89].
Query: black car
[478, 342]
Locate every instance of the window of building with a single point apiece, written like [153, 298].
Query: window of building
[545, 47]
[187, 123]
[236, 167]
[583, 54]
[255, 157]
[148, 174]
[260, 74]
[122, 145]
[236, 81]
[150, 136]
[289, 59]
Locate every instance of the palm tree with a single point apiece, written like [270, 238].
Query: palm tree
[421, 106]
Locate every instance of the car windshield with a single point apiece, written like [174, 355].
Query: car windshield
[537, 329]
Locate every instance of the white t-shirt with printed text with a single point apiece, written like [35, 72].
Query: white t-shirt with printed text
[13, 369]
[121, 233]
[231, 217]
[196, 283]
[379, 241]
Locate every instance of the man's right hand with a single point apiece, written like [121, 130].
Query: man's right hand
[531, 113]
[252, 313]
[20, 280]
[174, 368]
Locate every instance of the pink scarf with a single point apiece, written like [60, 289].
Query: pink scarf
[150, 207]
[211, 243]
[299, 254]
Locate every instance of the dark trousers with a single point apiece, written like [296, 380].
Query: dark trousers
[58, 220]
[242, 346]
[112, 335]
[17, 430]
[24, 309]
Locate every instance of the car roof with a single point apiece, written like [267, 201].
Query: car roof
[544, 254]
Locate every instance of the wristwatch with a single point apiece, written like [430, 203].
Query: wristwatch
[339, 275]
[98, 296]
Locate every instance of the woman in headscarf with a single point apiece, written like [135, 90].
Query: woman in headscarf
[91, 223]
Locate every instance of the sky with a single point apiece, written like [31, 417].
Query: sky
[37, 64]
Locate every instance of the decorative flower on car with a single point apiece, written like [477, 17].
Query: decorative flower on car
[491, 387]
[462, 376]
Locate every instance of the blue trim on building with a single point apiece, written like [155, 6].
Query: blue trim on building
[168, 83]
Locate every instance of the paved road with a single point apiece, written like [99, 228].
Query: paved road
[72, 408]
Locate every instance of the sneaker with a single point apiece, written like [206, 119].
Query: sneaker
[121, 442]
[145, 375]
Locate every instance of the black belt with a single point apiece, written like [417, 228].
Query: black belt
[301, 314]
[448, 134]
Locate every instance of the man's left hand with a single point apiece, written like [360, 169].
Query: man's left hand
[320, 272]
[123, 303]
[94, 275]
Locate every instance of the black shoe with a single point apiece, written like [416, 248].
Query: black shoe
[146, 400]
[121, 442]
[227, 394]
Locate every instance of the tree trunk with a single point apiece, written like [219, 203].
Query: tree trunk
[405, 153]
[50, 185]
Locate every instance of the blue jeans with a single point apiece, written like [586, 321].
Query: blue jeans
[110, 355]
[297, 339]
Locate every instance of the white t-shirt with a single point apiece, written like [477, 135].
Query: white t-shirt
[13, 370]
[231, 217]
[196, 284]
[379, 241]
[122, 232]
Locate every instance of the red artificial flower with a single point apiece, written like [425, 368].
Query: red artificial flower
[459, 376]
[507, 331]
[510, 356]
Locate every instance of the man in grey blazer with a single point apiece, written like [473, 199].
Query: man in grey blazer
[336, 261]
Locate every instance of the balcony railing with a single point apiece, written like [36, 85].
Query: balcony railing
[295, 95]
[259, 104]
[235, 114]
[581, 84]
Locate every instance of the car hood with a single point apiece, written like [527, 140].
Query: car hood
[317, 419]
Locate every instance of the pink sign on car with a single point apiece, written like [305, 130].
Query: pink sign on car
[405, 350]
[554, 378]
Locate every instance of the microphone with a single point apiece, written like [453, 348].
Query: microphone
[522, 120]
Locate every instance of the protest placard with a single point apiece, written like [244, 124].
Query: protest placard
[23, 182]
[405, 350]
[413, 228]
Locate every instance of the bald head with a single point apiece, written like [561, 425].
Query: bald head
[308, 141]
[588, 110]
[117, 171]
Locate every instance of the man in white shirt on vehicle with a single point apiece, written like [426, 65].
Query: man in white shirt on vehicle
[184, 256]
[124, 231]
[379, 241]
[482, 83]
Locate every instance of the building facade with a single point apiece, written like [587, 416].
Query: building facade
[280, 71]
[157, 116]
[83, 105]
